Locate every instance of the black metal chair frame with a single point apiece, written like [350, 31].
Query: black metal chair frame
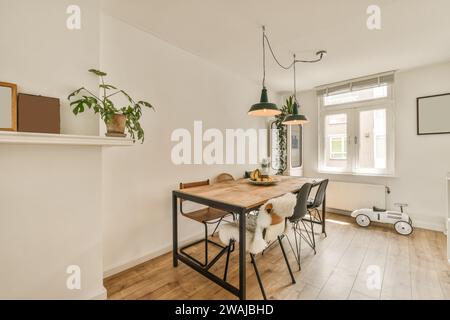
[307, 236]
[313, 219]
[255, 266]
[318, 202]
[300, 211]
[206, 241]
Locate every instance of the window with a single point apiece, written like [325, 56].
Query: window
[296, 147]
[335, 157]
[337, 119]
[338, 148]
[356, 128]
[280, 139]
[355, 96]
[373, 143]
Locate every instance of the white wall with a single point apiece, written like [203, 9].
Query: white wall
[422, 162]
[50, 219]
[138, 181]
[50, 196]
[43, 57]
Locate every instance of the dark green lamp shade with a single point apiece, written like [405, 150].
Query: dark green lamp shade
[295, 118]
[264, 108]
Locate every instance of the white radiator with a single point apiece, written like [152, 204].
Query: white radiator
[348, 196]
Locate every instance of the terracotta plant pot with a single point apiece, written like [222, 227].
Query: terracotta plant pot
[117, 124]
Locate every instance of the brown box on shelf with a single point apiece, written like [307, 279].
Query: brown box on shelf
[38, 114]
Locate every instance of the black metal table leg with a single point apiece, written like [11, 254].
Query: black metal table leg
[242, 256]
[175, 229]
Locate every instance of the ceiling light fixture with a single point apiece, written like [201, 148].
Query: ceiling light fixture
[264, 108]
[295, 118]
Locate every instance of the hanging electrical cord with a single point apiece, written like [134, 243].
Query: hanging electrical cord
[320, 54]
[266, 39]
[295, 80]
[295, 117]
[264, 108]
[264, 56]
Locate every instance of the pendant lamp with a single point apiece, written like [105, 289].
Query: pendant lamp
[264, 108]
[295, 118]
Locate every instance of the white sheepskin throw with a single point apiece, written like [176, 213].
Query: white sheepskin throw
[282, 206]
[230, 231]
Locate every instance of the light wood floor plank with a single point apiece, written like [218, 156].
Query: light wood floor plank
[413, 267]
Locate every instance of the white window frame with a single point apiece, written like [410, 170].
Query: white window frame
[337, 123]
[352, 111]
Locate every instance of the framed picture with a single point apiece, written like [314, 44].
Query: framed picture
[433, 114]
[8, 106]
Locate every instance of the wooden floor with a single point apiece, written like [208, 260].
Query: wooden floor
[349, 259]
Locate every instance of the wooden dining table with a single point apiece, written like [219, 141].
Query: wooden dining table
[239, 197]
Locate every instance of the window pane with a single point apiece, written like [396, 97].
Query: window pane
[355, 96]
[373, 141]
[338, 119]
[338, 148]
[336, 145]
[336, 141]
[296, 146]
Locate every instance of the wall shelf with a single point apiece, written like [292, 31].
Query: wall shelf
[61, 139]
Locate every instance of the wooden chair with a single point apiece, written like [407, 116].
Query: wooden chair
[224, 177]
[206, 216]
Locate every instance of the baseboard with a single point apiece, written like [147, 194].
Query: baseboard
[429, 226]
[103, 295]
[147, 257]
[338, 211]
[417, 223]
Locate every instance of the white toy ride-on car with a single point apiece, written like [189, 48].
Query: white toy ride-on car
[401, 221]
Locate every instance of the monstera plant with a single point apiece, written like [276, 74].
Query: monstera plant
[116, 118]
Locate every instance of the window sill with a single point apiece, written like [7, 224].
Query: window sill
[375, 175]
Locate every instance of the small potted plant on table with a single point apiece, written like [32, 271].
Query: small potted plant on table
[116, 119]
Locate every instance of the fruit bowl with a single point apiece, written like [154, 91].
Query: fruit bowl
[270, 182]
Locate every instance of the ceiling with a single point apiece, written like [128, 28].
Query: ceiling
[228, 34]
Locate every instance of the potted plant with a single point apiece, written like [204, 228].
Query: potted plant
[282, 132]
[117, 119]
